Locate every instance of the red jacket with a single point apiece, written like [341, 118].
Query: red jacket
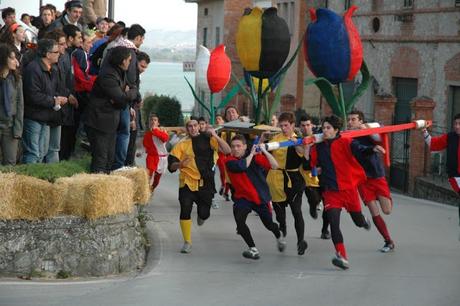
[151, 149]
[339, 168]
[249, 183]
[83, 80]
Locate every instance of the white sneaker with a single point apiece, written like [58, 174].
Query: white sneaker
[214, 204]
[281, 244]
[340, 262]
[251, 253]
[186, 248]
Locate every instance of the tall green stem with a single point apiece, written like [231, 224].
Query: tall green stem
[212, 109]
[259, 100]
[342, 106]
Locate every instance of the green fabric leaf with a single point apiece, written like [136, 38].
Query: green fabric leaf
[233, 92]
[361, 88]
[277, 99]
[196, 97]
[326, 90]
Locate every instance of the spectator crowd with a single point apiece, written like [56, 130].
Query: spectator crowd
[68, 77]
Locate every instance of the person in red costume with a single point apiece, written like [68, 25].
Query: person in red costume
[451, 143]
[374, 191]
[340, 174]
[155, 146]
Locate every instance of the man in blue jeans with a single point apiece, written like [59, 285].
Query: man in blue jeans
[41, 103]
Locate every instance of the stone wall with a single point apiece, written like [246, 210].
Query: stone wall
[71, 246]
[428, 189]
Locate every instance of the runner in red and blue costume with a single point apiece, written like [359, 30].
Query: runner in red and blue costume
[250, 190]
[339, 176]
[374, 190]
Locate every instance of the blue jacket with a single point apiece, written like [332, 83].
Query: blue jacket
[371, 162]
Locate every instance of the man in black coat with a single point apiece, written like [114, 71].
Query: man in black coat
[71, 15]
[110, 94]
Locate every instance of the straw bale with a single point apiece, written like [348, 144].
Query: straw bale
[140, 180]
[26, 197]
[96, 195]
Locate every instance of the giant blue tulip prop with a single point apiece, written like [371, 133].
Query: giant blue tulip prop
[334, 54]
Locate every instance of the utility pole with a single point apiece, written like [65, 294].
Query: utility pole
[112, 9]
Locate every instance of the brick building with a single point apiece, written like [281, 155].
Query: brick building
[412, 49]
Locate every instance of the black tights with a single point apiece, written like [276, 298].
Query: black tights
[334, 219]
[202, 199]
[241, 214]
[296, 209]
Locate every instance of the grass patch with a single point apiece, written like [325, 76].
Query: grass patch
[51, 172]
[63, 274]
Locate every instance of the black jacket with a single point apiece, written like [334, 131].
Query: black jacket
[107, 98]
[453, 143]
[40, 88]
[66, 87]
[61, 22]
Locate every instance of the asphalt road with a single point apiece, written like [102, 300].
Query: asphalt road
[424, 269]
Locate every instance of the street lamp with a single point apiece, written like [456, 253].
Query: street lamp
[111, 9]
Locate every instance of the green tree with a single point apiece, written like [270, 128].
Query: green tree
[150, 104]
[168, 110]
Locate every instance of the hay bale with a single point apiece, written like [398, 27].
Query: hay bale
[29, 198]
[96, 195]
[140, 180]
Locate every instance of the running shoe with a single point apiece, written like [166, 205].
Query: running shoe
[388, 247]
[214, 204]
[325, 235]
[281, 244]
[313, 212]
[221, 190]
[186, 248]
[283, 230]
[199, 221]
[320, 206]
[367, 225]
[227, 197]
[301, 247]
[340, 262]
[251, 253]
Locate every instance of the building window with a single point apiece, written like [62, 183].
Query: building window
[205, 37]
[347, 4]
[408, 3]
[217, 35]
[206, 11]
[457, 3]
[376, 24]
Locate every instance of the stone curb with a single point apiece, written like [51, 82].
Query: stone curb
[153, 258]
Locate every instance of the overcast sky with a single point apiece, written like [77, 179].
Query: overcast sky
[152, 14]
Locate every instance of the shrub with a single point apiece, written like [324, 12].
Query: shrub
[167, 108]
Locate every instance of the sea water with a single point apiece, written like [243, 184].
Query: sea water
[164, 78]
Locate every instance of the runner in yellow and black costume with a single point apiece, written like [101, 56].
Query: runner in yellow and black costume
[195, 157]
[286, 183]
